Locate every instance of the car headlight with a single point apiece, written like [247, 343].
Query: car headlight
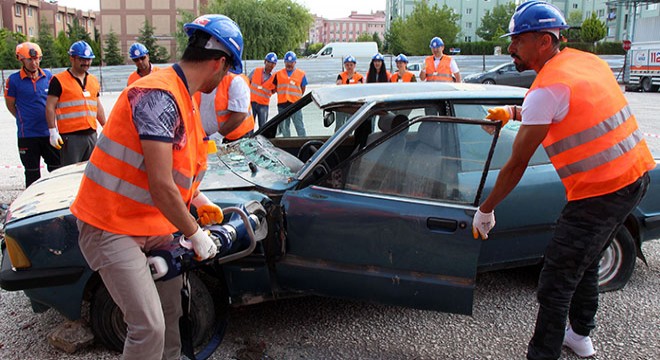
[16, 254]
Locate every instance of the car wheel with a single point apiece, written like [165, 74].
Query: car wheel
[646, 84]
[109, 328]
[618, 262]
[488, 82]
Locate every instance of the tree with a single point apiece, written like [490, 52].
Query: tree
[412, 36]
[47, 44]
[364, 37]
[313, 49]
[574, 18]
[157, 53]
[76, 32]
[493, 24]
[593, 29]
[278, 25]
[180, 35]
[62, 45]
[113, 54]
[376, 38]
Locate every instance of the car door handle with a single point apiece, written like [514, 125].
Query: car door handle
[442, 224]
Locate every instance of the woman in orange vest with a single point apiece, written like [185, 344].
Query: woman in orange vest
[402, 75]
[439, 67]
[227, 109]
[377, 71]
[349, 76]
[591, 137]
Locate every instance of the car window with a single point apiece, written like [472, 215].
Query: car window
[327, 51]
[474, 139]
[422, 161]
[310, 117]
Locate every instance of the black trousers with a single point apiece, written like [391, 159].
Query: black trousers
[31, 150]
[568, 284]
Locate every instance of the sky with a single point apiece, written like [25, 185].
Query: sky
[329, 9]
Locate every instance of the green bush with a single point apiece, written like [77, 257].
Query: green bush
[477, 47]
[602, 48]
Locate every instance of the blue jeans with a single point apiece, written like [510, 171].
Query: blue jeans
[568, 284]
[260, 113]
[285, 125]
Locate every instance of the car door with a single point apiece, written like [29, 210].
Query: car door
[391, 224]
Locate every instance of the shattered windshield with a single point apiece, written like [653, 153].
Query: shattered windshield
[256, 162]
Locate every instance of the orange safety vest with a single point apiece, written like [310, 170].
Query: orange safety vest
[440, 73]
[597, 148]
[259, 93]
[114, 193]
[76, 109]
[134, 75]
[407, 77]
[222, 105]
[355, 79]
[289, 89]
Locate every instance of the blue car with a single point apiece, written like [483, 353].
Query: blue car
[374, 203]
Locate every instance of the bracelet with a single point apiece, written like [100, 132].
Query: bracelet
[514, 112]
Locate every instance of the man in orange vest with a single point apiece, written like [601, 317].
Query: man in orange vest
[259, 95]
[589, 133]
[290, 84]
[140, 56]
[226, 110]
[439, 67]
[73, 107]
[142, 178]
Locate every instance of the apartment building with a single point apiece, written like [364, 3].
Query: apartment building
[621, 17]
[24, 16]
[126, 17]
[350, 28]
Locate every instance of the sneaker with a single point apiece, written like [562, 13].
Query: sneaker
[581, 345]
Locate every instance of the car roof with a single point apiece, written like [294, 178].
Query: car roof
[393, 92]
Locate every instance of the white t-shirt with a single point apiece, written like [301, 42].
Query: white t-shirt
[543, 106]
[239, 101]
[452, 65]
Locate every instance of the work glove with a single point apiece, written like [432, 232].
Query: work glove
[501, 113]
[201, 243]
[55, 138]
[482, 224]
[207, 212]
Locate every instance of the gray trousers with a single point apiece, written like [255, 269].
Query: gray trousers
[77, 147]
[151, 309]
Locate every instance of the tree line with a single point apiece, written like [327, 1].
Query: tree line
[282, 25]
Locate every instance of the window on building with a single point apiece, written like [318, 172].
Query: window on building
[19, 9]
[575, 6]
[19, 29]
[29, 11]
[31, 31]
[601, 12]
[58, 17]
[468, 11]
[468, 39]
[468, 25]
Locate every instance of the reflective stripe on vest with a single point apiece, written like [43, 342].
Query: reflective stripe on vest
[407, 77]
[258, 93]
[355, 79]
[597, 148]
[440, 73]
[74, 111]
[222, 103]
[286, 91]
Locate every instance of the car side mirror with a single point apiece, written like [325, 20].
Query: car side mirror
[328, 118]
[500, 71]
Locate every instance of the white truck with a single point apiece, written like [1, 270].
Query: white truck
[339, 50]
[645, 65]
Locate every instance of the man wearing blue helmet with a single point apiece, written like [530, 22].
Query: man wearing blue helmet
[590, 135]
[140, 56]
[260, 95]
[73, 107]
[138, 185]
[290, 84]
[439, 67]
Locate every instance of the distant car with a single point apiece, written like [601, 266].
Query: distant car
[504, 74]
[415, 67]
[374, 203]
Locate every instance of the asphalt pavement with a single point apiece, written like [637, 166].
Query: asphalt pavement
[320, 328]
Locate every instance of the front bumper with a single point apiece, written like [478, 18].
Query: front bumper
[13, 280]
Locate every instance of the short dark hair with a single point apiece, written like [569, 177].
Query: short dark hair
[196, 52]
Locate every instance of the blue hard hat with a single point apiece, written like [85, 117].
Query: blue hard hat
[401, 58]
[436, 42]
[271, 57]
[350, 58]
[82, 50]
[137, 50]
[535, 16]
[378, 56]
[290, 56]
[225, 31]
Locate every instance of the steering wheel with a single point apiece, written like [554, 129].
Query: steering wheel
[308, 149]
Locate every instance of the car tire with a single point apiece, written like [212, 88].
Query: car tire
[488, 82]
[646, 84]
[618, 262]
[109, 328]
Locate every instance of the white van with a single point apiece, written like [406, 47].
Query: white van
[342, 49]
